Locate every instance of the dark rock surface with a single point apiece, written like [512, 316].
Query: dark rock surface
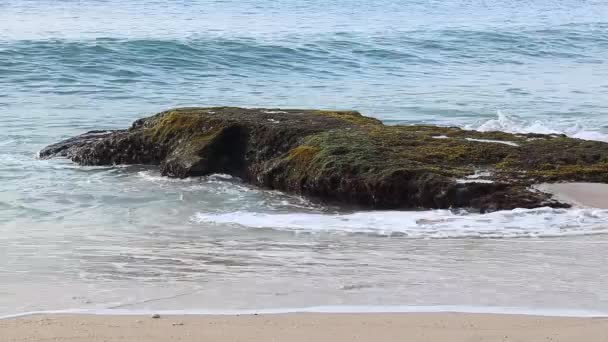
[345, 157]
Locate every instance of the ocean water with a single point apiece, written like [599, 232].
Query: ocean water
[125, 238]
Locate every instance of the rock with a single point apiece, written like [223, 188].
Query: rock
[156, 316]
[345, 157]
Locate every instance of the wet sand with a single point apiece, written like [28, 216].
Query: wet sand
[304, 327]
[579, 194]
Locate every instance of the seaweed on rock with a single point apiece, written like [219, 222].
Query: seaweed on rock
[345, 157]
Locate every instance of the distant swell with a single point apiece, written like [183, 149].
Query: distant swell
[328, 54]
[542, 222]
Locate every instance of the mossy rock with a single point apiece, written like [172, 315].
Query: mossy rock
[345, 157]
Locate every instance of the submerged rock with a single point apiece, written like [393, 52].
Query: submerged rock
[344, 157]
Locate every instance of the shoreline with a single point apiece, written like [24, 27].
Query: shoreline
[329, 310]
[294, 327]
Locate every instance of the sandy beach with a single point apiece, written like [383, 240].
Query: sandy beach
[579, 194]
[304, 327]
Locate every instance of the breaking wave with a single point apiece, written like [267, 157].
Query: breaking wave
[514, 124]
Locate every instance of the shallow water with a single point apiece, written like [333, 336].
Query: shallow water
[77, 237]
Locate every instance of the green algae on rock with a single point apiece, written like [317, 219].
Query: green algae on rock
[345, 157]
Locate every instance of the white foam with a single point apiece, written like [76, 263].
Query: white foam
[441, 137]
[275, 112]
[540, 222]
[479, 174]
[156, 177]
[98, 133]
[477, 177]
[337, 309]
[514, 124]
[510, 143]
[466, 181]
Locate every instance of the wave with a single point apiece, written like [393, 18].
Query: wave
[514, 124]
[124, 58]
[541, 222]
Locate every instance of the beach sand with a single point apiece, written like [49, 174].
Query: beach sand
[579, 194]
[435, 327]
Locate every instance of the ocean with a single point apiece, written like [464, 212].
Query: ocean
[125, 238]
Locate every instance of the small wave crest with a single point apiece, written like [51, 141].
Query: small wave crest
[541, 222]
[7, 142]
[156, 177]
[514, 124]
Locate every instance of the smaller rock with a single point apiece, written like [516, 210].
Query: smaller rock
[178, 324]
[156, 316]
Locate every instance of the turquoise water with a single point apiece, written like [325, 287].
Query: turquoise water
[116, 237]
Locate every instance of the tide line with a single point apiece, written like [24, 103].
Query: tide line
[346, 309]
